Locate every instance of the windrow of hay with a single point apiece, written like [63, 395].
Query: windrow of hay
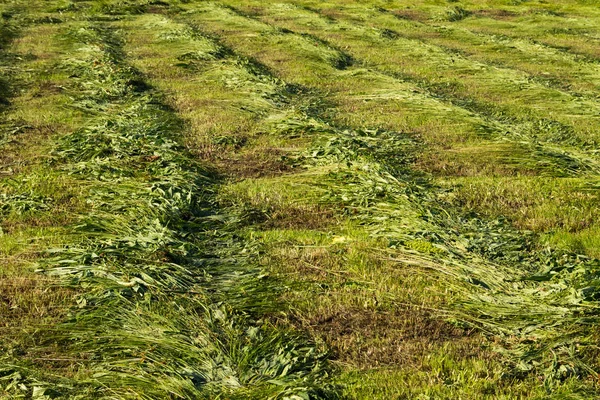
[168, 292]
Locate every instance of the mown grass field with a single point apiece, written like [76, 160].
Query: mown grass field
[244, 199]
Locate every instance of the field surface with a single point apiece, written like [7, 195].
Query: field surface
[256, 199]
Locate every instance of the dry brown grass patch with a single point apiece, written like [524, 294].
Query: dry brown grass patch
[301, 217]
[496, 14]
[367, 338]
[483, 160]
[258, 163]
[411, 15]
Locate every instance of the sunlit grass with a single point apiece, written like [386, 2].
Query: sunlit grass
[243, 199]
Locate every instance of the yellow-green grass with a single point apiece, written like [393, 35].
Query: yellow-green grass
[491, 90]
[36, 202]
[303, 241]
[565, 209]
[359, 180]
[548, 65]
[366, 98]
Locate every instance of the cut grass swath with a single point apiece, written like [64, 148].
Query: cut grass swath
[168, 290]
[542, 302]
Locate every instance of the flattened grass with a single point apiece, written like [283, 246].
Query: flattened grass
[566, 209]
[138, 264]
[282, 207]
[312, 210]
[376, 196]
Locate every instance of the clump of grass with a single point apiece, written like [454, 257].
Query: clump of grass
[22, 203]
[8, 28]
[456, 13]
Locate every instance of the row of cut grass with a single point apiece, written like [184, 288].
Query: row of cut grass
[35, 202]
[369, 256]
[267, 202]
[486, 252]
[151, 260]
[409, 110]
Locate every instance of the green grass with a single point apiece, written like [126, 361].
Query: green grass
[124, 306]
[302, 200]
